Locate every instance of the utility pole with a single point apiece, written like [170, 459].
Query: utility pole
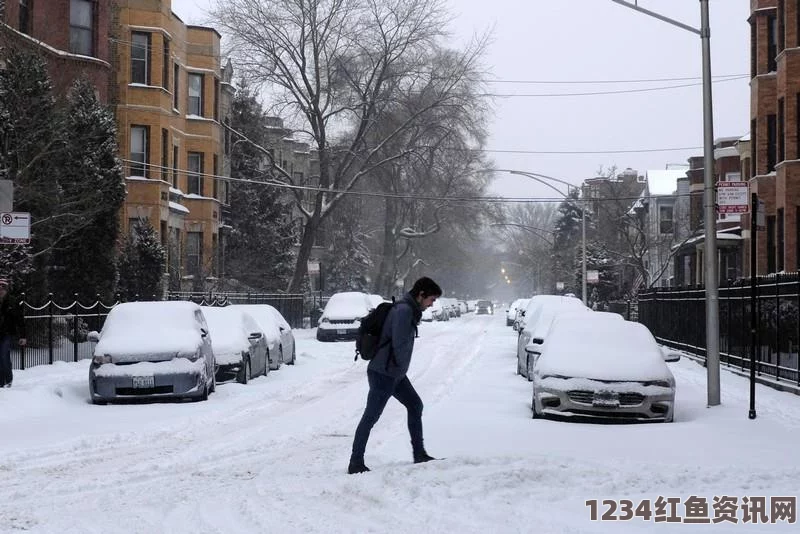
[711, 271]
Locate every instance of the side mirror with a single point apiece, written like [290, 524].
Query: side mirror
[282, 329]
[255, 336]
[533, 348]
[537, 341]
[522, 313]
[203, 332]
[672, 357]
[93, 336]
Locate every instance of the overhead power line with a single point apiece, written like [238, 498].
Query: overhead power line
[592, 82]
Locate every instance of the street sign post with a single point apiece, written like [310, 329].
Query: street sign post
[15, 228]
[6, 196]
[733, 197]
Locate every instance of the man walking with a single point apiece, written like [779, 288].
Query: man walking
[387, 372]
[11, 324]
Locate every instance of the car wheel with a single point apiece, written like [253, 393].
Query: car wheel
[204, 396]
[528, 370]
[280, 356]
[533, 407]
[98, 402]
[266, 363]
[519, 368]
[213, 383]
[294, 356]
[243, 376]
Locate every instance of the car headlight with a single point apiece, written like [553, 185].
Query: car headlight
[659, 383]
[324, 320]
[100, 359]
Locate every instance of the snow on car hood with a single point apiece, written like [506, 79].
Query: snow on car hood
[136, 329]
[602, 350]
[346, 306]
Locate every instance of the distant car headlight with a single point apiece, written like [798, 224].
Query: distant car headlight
[659, 383]
[100, 359]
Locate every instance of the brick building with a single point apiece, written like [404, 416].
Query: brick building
[775, 132]
[172, 97]
[72, 36]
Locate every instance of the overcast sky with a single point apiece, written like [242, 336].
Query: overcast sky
[592, 40]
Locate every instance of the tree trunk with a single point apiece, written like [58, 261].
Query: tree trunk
[303, 255]
[384, 281]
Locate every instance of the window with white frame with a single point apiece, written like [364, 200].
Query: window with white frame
[81, 26]
[665, 219]
[140, 58]
[195, 170]
[195, 106]
[139, 151]
[194, 252]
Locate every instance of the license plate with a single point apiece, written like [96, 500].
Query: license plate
[341, 332]
[606, 399]
[142, 382]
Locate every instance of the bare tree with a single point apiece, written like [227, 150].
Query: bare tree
[336, 66]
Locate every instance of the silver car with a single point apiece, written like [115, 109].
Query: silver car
[152, 350]
[605, 370]
[240, 345]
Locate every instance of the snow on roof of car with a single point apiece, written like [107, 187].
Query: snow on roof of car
[348, 305]
[264, 316]
[151, 327]
[602, 350]
[229, 328]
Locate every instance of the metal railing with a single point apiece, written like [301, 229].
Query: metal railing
[57, 333]
[676, 316]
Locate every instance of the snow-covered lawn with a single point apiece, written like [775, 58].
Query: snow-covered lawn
[271, 456]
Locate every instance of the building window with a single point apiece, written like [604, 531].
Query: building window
[781, 136]
[781, 25]
[754, 145]
[780, 230]
[772, 43]
[195, 95]
[216, 173]
[165, 63]
[216, 99]
[772, 143]
[665, 219]
[24, 16]
[753, 47]
[140, 58]
[175, 77]
[770, 244]
[139, 150]
[81, 19]
[194, 176]
[194, 252]
[165, 154]
[175, 167]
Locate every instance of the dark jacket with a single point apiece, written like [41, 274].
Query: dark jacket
[11, 320]
[397, 337]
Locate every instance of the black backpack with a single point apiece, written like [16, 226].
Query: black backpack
[369, 333]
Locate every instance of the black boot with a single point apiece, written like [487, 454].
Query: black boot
[357, 466]
[422, 456]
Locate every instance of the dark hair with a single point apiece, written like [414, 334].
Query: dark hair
[427, 286]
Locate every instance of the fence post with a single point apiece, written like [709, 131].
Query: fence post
[50, 329]
[22, 304]
[75, 330]
[777, 326]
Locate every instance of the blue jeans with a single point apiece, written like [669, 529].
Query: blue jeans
[381, 389]
[5, 361]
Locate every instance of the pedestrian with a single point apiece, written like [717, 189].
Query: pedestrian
[386, 372]
[12, 325]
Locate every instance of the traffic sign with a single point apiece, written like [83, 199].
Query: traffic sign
[733, 197]
[15, 228]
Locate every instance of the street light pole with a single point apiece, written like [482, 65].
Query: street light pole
[710, 213]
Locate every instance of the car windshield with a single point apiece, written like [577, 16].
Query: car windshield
[484, 303]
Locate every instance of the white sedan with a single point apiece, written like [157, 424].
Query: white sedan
[608, 370]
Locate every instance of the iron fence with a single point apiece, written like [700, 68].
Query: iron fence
[57, 333]
[676, 316]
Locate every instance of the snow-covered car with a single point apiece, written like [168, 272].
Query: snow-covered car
[462, 305]
[438, 311]
[539, 306]
[511, 312]
[342, 316]
[152, 350]
[278, 333]
[519, 313]
[240, 345]
[376, 300]
[484, 307]
[608, 370]
[549, 318]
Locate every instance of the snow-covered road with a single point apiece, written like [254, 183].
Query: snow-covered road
[271, 456]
